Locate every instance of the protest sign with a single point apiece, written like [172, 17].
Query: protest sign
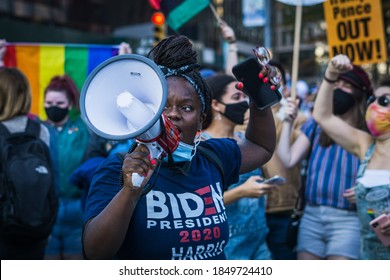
[355, 28]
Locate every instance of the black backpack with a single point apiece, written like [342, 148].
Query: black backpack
[28, 198]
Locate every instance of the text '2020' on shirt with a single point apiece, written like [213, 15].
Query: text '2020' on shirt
[181, 217]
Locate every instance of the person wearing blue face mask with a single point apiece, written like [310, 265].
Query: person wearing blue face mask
[182, 215]
[183, 152]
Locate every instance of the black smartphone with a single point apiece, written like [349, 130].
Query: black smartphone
[259, 92]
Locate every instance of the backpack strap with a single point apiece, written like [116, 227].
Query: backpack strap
[33, 128]
[4, 131]
[212, 156]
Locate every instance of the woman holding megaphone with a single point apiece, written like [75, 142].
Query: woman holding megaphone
[182, 215]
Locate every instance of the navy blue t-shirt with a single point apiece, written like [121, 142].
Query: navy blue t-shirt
[182, 217]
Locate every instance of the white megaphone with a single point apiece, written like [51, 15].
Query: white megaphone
[123, 98]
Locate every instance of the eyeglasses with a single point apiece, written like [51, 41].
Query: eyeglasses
[383, 100]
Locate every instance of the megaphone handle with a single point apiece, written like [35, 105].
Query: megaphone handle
[155, 152]
[137, 179]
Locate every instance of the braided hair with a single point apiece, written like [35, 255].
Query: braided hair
[175, 57]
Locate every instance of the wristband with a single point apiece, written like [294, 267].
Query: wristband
[329, 80]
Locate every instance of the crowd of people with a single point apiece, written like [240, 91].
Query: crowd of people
[208, 199]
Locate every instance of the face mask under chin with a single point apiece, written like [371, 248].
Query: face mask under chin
[184, 152]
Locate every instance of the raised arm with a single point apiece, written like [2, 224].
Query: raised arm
[352, 139]
[230, 37]
[260, 138]
[290, 155]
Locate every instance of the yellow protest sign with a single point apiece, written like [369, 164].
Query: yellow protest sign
[355, 28]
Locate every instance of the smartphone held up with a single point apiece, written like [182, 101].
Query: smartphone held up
[259, 80]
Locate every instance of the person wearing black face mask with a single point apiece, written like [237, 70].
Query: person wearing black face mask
[236, 111]
[56, 114]
[333, 170]
[342, 101]
[372, 147]
[245, 201]
[282, 201]
[70, 138]
[59, 101]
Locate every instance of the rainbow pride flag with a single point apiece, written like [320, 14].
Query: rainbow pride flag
[40, 62]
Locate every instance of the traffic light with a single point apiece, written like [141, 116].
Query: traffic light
[158, 19]
[159, 33]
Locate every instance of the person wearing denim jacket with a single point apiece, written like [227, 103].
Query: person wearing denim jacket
[247, 225]
[245, 200]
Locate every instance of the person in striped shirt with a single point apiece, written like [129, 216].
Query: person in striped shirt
[372, 148]
[329, 228]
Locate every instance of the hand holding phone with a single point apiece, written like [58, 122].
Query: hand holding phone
[375, 225]
[259, 92]
[275, 180]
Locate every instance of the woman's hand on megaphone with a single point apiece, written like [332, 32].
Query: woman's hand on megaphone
[138, 162]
